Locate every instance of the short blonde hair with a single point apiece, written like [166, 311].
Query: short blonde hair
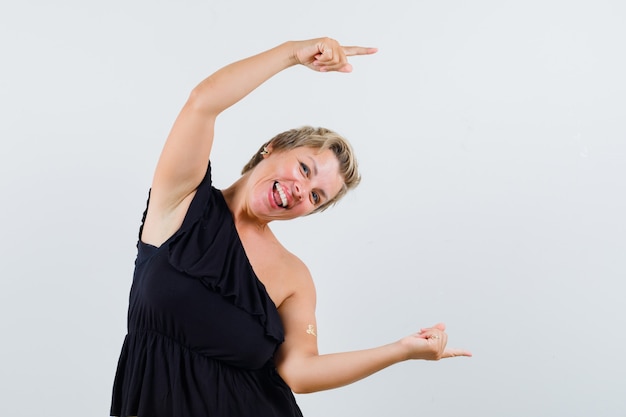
[317, 138]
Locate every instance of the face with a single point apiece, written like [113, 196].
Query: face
[293, 183]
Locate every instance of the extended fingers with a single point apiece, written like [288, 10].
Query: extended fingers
[451, 353]
[358, 50]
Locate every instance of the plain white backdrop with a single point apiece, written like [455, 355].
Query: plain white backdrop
[492, 140]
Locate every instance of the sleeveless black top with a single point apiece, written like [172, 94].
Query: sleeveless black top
[202, 330]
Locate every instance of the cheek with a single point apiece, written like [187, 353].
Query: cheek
[260, 195]
[304, 208]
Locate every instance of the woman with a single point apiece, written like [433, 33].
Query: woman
[222, 317]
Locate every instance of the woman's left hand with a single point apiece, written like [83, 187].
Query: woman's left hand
[431, 344]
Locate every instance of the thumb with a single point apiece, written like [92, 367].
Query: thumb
[438, 326]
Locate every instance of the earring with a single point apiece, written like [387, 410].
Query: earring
[265, 151]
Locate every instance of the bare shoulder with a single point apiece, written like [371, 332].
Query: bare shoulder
[283, 273]
[301, 282]
[299, 272]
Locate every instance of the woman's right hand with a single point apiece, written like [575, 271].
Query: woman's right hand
[326, 54]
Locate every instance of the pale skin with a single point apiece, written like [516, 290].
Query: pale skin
[308, 178]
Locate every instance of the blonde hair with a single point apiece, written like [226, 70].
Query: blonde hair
[317, 138]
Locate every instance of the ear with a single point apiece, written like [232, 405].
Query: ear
[267, 150]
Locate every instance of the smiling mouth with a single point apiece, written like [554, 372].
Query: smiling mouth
[281, 194]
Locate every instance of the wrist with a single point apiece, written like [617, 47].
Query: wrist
[290, 50]
[401, 352]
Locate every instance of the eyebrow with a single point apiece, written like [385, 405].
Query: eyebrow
[314, 165]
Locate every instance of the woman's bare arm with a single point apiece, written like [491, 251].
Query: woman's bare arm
[185, 156]
[304, 370]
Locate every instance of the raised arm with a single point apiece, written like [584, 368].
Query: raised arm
[304, 370]
[185, 156]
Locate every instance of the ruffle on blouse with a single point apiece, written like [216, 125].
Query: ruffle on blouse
[209, 229]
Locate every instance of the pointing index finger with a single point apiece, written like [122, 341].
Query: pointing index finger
[451, 353]
[358, 50]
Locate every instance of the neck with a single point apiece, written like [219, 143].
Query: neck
[235, 196]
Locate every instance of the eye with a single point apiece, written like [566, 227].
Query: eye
[305, 169]
[316, 197]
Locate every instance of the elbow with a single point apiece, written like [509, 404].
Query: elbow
[302, 373]
[303, 391]
[299, 382]
[202, 99]
[291, 382]
[300, 388]
[197, 100]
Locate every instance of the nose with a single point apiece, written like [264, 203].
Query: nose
[298, 191]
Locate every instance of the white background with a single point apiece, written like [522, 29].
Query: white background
[492, 140]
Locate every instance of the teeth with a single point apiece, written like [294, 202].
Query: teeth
[281, 193]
